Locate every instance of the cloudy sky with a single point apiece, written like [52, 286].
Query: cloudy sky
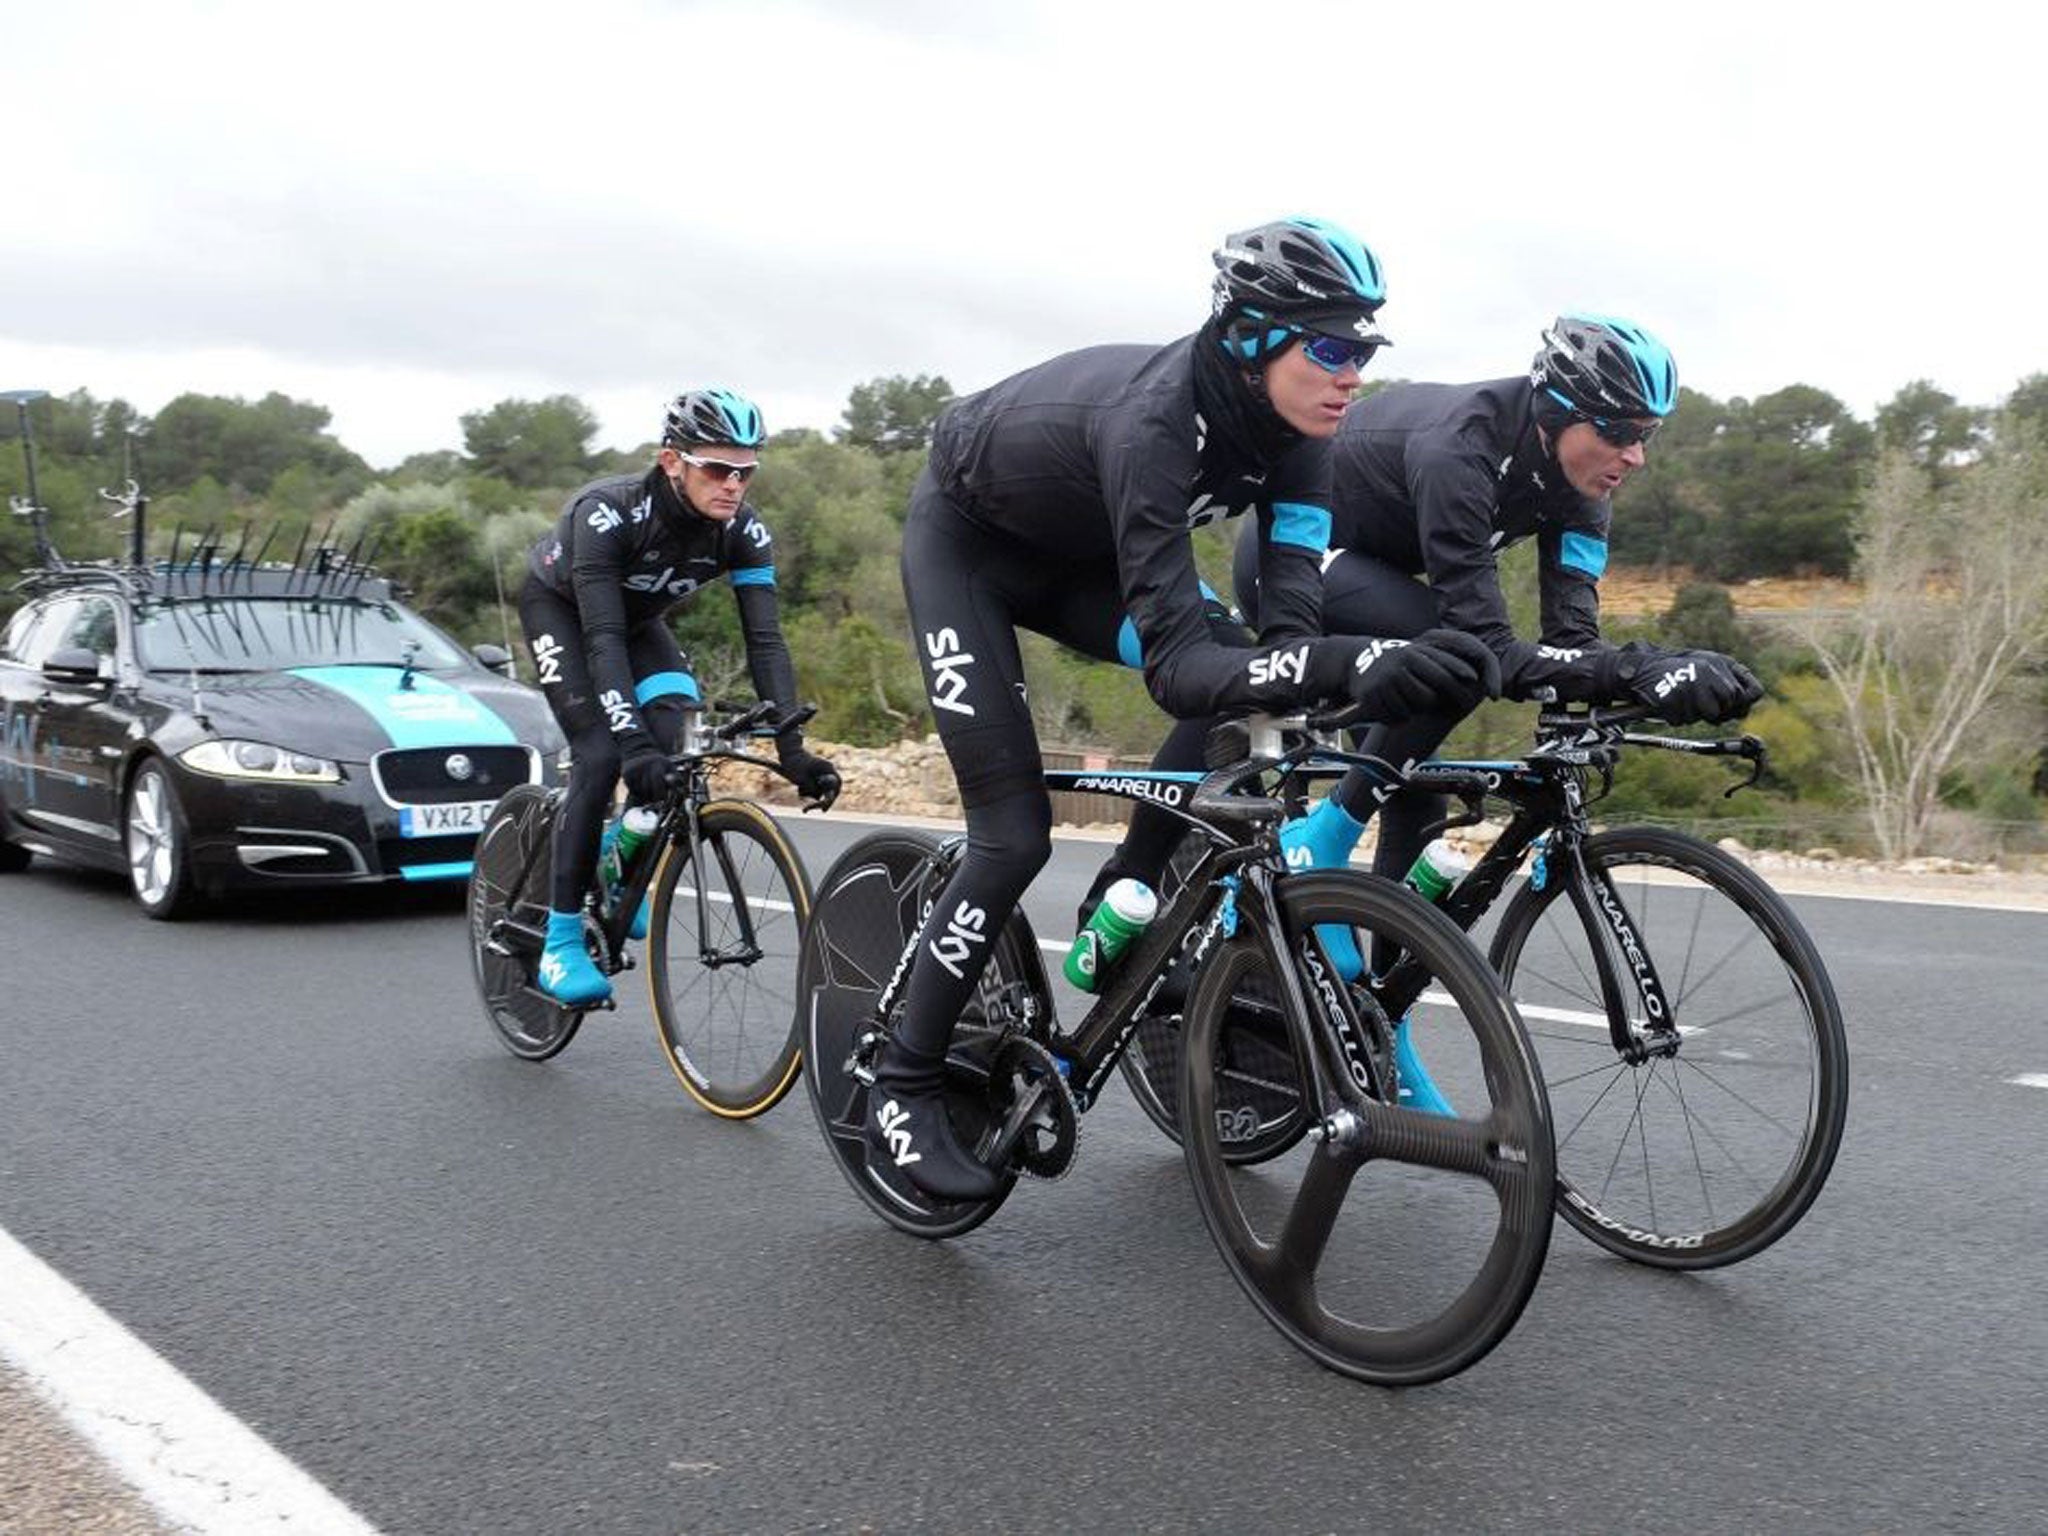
[408, 211]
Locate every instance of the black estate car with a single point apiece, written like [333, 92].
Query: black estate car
[215, 725]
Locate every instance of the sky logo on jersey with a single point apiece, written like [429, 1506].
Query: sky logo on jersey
[617, 710]
[547, 657]
[949, 674]
[604, 519]
[1288, 666]
[667, 581]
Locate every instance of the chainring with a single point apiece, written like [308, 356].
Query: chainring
[1046, 1147]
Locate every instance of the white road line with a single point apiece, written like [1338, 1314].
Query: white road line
[766, 904]
[2030, 1080]
[195, 1463]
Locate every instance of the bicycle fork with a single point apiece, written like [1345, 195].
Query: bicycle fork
[1614, 933]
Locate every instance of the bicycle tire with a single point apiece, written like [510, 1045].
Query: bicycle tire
[728, 1026]
[873, 898]
[1641, 1169]
[1361, 1273]
[1259, 1093]
[517, 836]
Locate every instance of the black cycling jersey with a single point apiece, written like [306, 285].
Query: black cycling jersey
[627, 550]
[1436, 479]
[1107, 458]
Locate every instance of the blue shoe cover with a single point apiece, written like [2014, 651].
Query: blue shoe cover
[1417, 1090]
[566, 972]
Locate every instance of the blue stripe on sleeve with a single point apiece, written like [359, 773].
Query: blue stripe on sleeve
[1584, 552]
[754, 576]
[1301, 525]
[659, 685]
[1128, 650]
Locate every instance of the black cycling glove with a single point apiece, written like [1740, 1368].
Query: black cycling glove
[1688, 686]
[815, 778]
[647, 772]
[1431, 675]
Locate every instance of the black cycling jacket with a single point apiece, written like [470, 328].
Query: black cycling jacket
[628, 549]
[1436, 479]
[1104, 455]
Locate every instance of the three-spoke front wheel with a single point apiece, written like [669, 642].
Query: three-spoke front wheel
[726, 937]
[1396, 1244]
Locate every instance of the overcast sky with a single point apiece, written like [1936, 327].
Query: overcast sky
[408, 211]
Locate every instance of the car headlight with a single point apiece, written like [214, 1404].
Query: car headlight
[229, 758]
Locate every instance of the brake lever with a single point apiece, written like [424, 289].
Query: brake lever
[1751, 748]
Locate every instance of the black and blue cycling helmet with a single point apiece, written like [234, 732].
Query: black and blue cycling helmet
[1296, 275]
[1596, 365]
[712, 416]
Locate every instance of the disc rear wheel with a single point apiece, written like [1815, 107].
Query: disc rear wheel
[508, 917]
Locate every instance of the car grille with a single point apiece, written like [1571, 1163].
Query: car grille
[397, 853]
[420, 776]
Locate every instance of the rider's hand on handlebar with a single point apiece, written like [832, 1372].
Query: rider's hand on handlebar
[1441, 672]
[815, 778]
[648, 773]
[1688, 686]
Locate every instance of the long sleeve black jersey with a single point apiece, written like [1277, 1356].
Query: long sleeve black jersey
[1104, 455]
[628, 549]
[1437, 479]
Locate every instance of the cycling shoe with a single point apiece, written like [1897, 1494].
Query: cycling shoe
[913, 1134]
[566, 972]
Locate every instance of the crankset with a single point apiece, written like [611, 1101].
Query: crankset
[1038, 1124]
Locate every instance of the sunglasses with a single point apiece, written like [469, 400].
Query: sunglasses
[1621, 431]
[1333, 354]
[720, 469]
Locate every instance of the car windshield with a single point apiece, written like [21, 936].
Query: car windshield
[250, 634]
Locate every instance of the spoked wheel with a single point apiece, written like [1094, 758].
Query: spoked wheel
[1396, 1245]
[722, 971]
[870, 903]
[508, 917]
[1259, 1111]
[1709, 1150]
[159, 868]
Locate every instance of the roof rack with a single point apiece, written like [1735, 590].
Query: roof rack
[203, 572]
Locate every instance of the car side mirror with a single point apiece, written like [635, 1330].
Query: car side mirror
[494, 658]
[72, 667]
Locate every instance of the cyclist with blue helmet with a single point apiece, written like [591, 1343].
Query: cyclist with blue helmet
[626, 551]
[1433, 481]
[1060, 500]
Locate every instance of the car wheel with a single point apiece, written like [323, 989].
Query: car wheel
[13, 857]
[158, 870]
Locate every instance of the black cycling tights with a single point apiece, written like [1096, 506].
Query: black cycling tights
[554, 633]
[1365, 596]
[970, 590]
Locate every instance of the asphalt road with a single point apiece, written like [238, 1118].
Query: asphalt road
[468, 1293]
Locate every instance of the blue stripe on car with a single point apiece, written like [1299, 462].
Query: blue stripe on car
[453, 871]
[430, 713]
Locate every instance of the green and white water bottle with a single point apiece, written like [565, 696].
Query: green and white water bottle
[1436, 869]
[634, 828]
[1125, 911]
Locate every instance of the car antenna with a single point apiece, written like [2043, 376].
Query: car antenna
[171, 565]
[234, 561]
[291, 584]
[31, 506]
[409, 653]
[249, 575]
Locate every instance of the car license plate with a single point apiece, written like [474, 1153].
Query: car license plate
[443, 820]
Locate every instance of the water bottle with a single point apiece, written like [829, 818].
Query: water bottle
[625, 840]
[1436, 869]
[1125, 911]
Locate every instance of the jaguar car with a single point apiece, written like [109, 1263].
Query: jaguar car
[252, 728]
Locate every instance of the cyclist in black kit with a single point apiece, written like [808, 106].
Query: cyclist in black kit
[1435, 480]
[1060, 500]
[626, 551]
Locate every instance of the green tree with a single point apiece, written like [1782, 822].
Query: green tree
[895, 414]
[1930, 428]
[531, 444]
[245, 447]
